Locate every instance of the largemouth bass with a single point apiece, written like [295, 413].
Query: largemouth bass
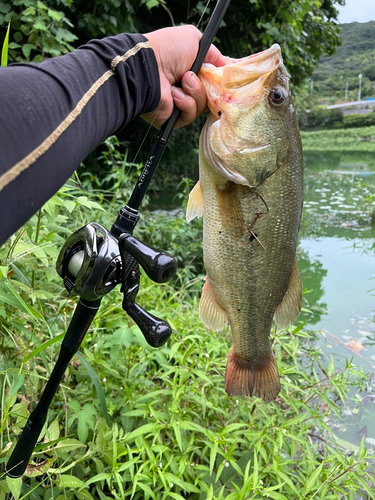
[249, 192]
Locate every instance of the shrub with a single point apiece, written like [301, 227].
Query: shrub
[318, 118]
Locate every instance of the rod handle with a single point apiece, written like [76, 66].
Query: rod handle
[23, 450]
[80, 322]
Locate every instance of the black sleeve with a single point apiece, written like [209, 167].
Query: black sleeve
[53, 114]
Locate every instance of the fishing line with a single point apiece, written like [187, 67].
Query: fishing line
[159, 105]
[203, 13]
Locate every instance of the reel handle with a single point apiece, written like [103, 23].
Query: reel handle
[159, 265]
[155, 330]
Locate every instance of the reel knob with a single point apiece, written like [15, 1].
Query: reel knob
[155, 330]
[159, 265]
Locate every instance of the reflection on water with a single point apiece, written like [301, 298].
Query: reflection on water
[334, 160]
[336, 257]
[339, 276]
[339, 199]
[336, 250]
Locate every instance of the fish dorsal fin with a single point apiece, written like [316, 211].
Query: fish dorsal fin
[195, 203]
[290, 307]
[211, 313]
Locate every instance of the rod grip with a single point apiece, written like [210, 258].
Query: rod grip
[80, 322]
[21, 454]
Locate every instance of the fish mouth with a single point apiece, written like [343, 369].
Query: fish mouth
[242, 81]
[240, 72]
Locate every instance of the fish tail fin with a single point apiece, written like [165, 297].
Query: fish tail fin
[243, 378]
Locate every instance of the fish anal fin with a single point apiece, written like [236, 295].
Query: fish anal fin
[243, 378]
[211, 313]
[230, 210]
[289, 308]
[195, 203]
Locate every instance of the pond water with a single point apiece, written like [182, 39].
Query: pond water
[337, 265]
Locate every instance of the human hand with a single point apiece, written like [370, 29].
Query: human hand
[175, 51]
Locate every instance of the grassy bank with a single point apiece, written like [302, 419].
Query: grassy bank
[351, 139]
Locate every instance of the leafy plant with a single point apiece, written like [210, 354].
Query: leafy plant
[4, 51]
[172, 432]
[350, 139]
[39, 30]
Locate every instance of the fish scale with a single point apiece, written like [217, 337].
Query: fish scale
[250, 195]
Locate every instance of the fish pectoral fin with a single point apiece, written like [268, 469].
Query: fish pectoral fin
[290, 307]
[195, 203]
[243, 378]
[211, 313]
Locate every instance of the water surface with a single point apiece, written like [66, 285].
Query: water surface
[336, 257]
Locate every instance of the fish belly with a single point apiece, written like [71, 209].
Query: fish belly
[249, 241]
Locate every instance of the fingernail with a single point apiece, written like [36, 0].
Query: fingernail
[177, 93]
[192, 81]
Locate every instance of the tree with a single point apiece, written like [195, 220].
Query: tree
[305, 30]
[370, 72]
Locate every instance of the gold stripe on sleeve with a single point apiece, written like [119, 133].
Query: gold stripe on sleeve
[31, 158]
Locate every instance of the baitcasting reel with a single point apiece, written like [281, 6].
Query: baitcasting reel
[93, 261]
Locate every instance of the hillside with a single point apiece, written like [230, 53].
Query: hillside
[355, 56]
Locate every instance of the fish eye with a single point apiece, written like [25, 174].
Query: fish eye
[277, 96]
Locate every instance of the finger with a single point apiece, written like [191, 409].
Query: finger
[186, 104]
[195, 89]
[215, 57]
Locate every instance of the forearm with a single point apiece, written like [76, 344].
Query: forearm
[53, 114]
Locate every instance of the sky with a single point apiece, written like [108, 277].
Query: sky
[357, 10]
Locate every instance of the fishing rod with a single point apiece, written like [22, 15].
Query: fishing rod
[94, 260]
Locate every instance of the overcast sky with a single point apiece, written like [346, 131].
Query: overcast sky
[357, 10]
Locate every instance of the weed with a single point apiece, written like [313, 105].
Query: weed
[134, 422]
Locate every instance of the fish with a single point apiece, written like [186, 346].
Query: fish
[250, 194]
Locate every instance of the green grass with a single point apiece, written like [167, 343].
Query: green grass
[352, 139]
[4, 50]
